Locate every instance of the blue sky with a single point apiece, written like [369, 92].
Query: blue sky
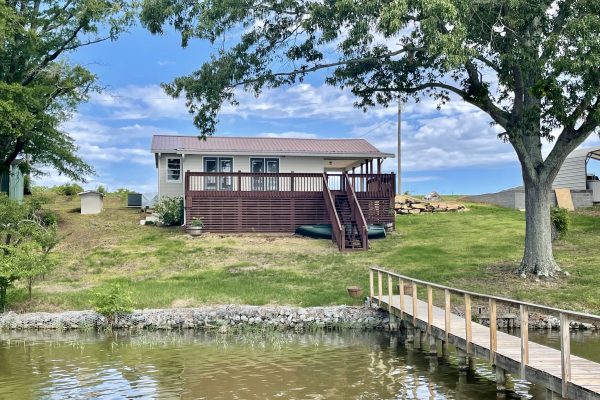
[452, 150]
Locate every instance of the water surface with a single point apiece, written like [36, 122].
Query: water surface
[250, 365]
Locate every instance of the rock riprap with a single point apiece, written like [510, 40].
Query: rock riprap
[210, 317]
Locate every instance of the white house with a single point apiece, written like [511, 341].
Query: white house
[259, 184]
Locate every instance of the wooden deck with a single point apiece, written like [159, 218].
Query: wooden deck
[280, 202]
[557, 370]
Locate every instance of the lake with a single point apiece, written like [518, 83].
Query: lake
[249, 365]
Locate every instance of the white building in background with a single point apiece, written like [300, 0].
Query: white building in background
[92, 202]
[574, 175]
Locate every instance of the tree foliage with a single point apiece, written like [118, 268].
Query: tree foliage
[532, 66]
[39, 87]
[25, 243]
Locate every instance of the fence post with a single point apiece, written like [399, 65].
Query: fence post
[380, 286]
[447, 316]
[390, 295]
[414, 301]
[493, 332]
[468, 330]
[524, 339]
[429, 309]
[401, 288]
[371, 284]
[565, 353]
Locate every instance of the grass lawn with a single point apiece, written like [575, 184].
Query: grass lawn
[163, 267]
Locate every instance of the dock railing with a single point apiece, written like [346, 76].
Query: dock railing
[565, 316]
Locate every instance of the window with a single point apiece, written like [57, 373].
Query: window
[265, 165]
[218, 164]
[173, 169]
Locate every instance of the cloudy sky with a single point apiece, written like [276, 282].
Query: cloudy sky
[452, 150]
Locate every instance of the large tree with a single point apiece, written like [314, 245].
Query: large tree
[39, 87]
[532, 66]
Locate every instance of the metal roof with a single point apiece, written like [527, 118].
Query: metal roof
[266, 145]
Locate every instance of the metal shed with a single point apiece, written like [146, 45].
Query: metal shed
[12, 181]
[574, 173]
[92, 202]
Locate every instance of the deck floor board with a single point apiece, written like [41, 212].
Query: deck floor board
[585, 374]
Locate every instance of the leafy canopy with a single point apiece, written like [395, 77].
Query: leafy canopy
[531, 65]
[39, 87]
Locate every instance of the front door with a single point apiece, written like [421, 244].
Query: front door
[218, 164]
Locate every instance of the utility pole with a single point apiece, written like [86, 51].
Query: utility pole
[399, 147]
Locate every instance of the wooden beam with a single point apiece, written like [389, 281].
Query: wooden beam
[565, 353]
[524, 311]
[371, 284]
[414, 301]
[447, 315]
[390, 295]
[468, 322]
[429, 308]
[401, 288]
[493, 332]
[380, 287]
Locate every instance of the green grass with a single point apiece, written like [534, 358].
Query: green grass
[477, 250]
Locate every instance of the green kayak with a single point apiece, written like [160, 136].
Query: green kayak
[323, 231]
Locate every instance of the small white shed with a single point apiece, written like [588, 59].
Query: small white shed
[92, 202]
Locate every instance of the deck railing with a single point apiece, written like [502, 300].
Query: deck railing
[244, 182]
[565, 316]
[357, 214]
[374, 185]
[336, 226]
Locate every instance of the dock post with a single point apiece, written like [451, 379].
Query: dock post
[462, 360]
[432, 344]
[500, 378]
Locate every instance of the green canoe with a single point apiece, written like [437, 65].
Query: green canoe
[323, 231]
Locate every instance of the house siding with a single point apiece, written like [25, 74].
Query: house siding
[572, 174]
[167, 188]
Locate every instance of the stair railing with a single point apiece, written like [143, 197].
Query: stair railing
[357, 214]
[336, 227]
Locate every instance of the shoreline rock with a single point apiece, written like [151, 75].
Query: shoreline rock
[223, 317]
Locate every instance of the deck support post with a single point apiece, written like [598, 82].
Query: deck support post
[500, 378]
[549, 394]
[462, 360]
[432, 344]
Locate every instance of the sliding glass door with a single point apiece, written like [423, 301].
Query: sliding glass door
[218, 164]
[260, 166]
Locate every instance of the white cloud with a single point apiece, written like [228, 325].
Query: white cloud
[289, 134]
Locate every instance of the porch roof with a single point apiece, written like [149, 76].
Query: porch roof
[329, 148]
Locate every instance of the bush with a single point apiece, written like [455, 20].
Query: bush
[560, 222]
[170, 210]
[48, 218]
[101, 189]
[111, 301]
[68, 189]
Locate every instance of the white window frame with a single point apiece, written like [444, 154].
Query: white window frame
[168, 178]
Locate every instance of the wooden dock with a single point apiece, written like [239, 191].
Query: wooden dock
[561, 373]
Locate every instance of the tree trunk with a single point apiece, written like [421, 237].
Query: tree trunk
[538, 258]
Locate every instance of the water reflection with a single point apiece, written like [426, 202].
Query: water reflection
[252, 365]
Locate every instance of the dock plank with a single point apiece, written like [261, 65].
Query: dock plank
[544, 362]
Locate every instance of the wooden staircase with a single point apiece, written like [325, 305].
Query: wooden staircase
[349, 228]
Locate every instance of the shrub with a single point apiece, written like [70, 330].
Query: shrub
[101, 189]
[68, 189]
[111, 301]
[170, 210]
[48, 218]
[560, 221]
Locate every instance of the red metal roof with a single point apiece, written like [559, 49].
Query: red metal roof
[264, 145]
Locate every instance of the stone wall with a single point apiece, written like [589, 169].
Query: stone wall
[209, 317]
